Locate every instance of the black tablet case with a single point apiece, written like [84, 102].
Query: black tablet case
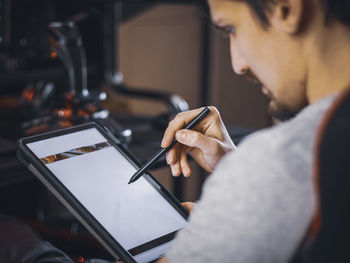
[71, 203]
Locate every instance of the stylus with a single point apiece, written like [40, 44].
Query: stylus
[163, 151]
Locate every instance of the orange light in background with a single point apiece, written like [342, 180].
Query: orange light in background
[53, 54]
[64, 113]
[92, 108]
[69, 96]
[28, 94]
[53, 42]
[83, 113]
[80, 259]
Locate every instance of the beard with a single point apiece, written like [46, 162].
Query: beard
[276, 109]
[281, 112]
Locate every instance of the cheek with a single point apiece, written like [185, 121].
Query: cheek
[291, 74]
[290, 89]
[261, 61]
[293, 96]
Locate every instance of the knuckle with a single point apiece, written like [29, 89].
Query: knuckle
[215, 111]
[171, 124]
[179, 116]
[176, 121]
[216, 115]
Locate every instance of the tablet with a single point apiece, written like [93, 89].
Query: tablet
[88, 170]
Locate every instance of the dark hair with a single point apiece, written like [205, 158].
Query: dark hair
[333, 9]
[337, 9]
[261, 9]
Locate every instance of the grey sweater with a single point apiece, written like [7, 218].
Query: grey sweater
[259, 201]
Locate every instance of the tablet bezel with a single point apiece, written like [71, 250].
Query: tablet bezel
[71, 202]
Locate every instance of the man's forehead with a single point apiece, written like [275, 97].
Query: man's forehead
[223, 2]
[218, 3]
[222, 10]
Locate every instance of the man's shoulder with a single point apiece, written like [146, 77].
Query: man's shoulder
[283, 149]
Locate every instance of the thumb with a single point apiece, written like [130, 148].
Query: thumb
[196, 139]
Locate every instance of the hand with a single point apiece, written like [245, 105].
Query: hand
[207, 143]
[189, 206]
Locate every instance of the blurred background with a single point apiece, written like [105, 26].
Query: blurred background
[129, 65]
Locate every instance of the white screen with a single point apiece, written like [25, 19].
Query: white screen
[133, 214]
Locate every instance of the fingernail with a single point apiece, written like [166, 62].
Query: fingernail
[162, 143]
[185, 173]
[169, 160]
[173, 170]
[180, 135]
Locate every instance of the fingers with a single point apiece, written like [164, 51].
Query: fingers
[207, 143]
[174, 161]
[177, 159]
[162, 260]
[189, 206]
[180, 121]
[172, 155]
[191, 138]
[175, 169]
[184, 165]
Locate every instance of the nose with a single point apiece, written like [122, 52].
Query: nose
[239, 65]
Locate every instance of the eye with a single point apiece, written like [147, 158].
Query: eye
[230, 30]
[227, 31]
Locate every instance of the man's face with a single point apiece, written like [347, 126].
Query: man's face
[269, 55]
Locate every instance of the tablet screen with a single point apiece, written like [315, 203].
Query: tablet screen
[97, 174]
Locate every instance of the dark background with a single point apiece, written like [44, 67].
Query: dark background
[163, 48]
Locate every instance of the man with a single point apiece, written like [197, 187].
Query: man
[258, 203]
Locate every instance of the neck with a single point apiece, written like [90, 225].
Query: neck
[328, 56]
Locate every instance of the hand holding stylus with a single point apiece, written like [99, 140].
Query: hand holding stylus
[207, 143]
[188, 126]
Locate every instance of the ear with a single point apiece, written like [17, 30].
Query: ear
[287, 15]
